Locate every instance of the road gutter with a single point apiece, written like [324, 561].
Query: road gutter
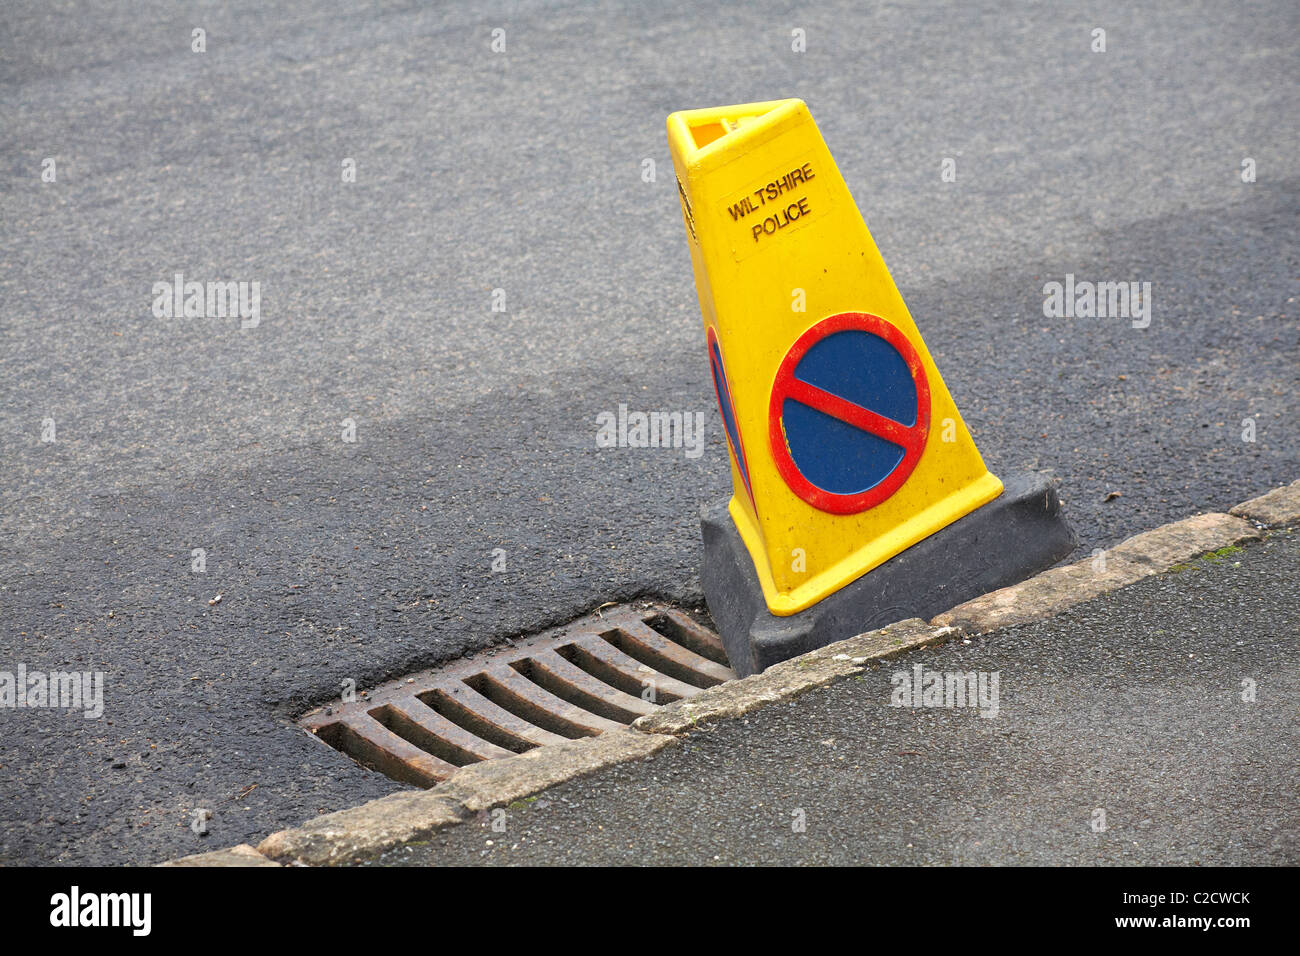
[370, 829]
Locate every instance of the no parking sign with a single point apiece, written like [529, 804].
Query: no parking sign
[850, 413]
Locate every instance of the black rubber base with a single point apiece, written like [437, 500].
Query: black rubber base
[1019, 533]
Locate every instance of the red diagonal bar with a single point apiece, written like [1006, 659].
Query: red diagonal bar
[855, 415]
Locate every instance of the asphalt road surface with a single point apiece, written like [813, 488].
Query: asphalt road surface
[522, 171]
[1131, 705]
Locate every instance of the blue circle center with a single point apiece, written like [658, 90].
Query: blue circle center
[862, 368]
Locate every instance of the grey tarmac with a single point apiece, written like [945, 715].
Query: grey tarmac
[475, 430]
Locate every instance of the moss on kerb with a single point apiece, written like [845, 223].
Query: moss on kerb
[1212, 556]
[1221, 553]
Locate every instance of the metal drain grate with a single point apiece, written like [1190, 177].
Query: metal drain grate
[599, 673]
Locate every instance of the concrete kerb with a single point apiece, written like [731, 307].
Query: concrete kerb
[1279, 508]
[367, 830]
[1059, 588]
[360, 832]
[241, 855]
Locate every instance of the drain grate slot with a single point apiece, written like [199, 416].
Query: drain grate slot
[372, 744]
[575, 686]
[525, 700]
[632, 677]
[492, 722]
[605, 661]
[420, 725]
[694, 637]
[651, 648]
[592, 676]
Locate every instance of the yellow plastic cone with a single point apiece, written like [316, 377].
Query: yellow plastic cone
[846, 448]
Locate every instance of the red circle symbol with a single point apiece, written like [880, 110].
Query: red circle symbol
[910, 439]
